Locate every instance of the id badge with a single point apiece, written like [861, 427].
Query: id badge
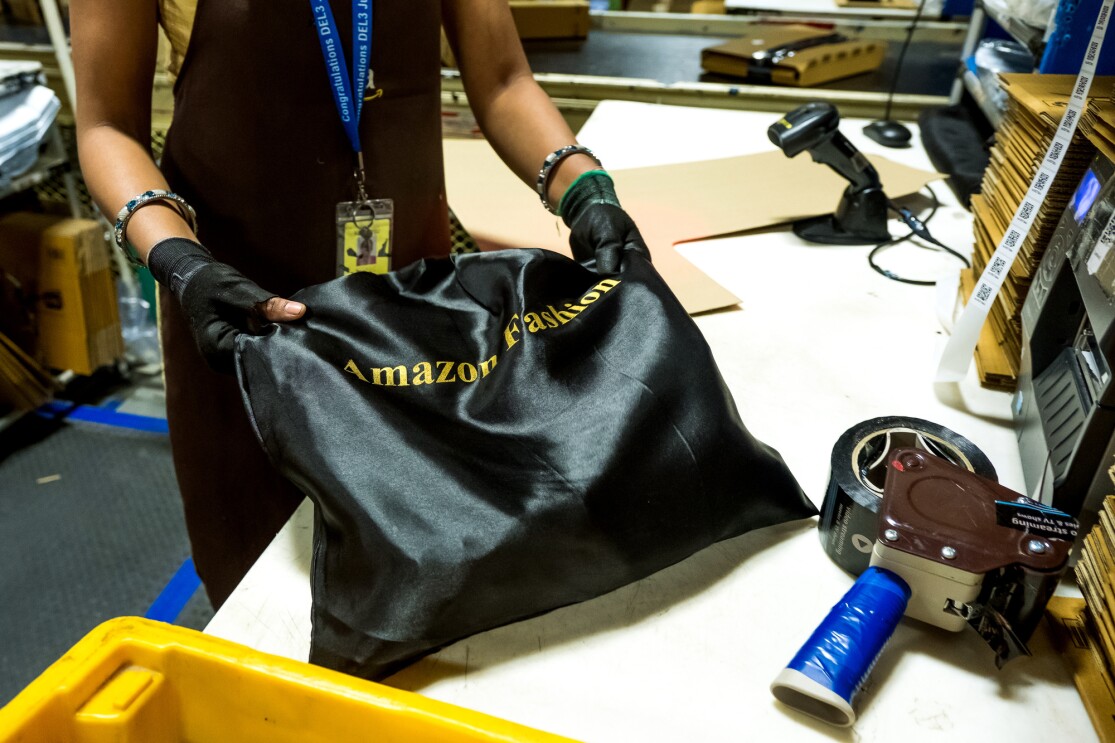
[364, 233]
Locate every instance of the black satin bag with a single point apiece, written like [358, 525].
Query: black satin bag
[492, 436]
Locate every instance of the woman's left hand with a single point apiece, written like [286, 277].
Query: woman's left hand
[599, 227]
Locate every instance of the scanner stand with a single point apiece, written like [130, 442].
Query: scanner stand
[860, 219]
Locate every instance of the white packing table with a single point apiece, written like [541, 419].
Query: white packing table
[819, 343]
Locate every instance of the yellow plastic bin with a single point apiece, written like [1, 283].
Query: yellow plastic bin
[132, 680]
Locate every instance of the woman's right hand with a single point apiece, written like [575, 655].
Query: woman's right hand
[219, 302]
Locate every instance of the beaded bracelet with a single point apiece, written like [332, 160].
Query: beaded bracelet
[543, 182]
[148, 197]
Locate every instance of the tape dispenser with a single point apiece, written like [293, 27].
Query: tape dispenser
[972, 551]
[953, 550]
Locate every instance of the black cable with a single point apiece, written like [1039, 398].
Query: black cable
[917, 229]
[901, 57]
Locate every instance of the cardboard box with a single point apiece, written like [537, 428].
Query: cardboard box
[30, 12]
[19, 287]
[25, 11]
[813, 56]
[880, 4]
[551, 19]
[1074, 640]
[78, 317]
[709, 7]
[702, 7]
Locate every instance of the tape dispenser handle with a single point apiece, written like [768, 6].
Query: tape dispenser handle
[827, 672]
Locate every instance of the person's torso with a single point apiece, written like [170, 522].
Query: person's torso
[257, 146]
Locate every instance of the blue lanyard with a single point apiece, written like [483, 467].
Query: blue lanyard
[348, 90]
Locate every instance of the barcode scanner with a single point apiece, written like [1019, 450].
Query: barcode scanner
[861, 215]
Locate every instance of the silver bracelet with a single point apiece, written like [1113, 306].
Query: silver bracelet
[148, 197]
[543, 182]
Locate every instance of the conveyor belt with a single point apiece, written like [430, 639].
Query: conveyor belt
[929, 67]
[655, 57]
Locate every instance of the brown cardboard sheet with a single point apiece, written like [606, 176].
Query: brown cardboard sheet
[670, 204]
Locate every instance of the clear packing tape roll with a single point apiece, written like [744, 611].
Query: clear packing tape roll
[957, 355]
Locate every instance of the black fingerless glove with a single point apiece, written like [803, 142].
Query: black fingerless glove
[218, 301]
[600, 229]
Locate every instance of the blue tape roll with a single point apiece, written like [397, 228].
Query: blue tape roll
[827, 672]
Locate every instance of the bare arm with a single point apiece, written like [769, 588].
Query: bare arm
[114, 47]
[515, 114]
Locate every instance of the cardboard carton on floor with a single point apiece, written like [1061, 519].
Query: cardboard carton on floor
[78, 317]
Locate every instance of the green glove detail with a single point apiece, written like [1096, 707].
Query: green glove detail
[600, 230]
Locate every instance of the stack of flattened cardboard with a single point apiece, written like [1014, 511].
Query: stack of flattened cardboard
[1036, 105]
[24, 384]
[1098, 125]
[1084, 629]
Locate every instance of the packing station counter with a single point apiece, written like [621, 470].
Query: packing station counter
[811, 342]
